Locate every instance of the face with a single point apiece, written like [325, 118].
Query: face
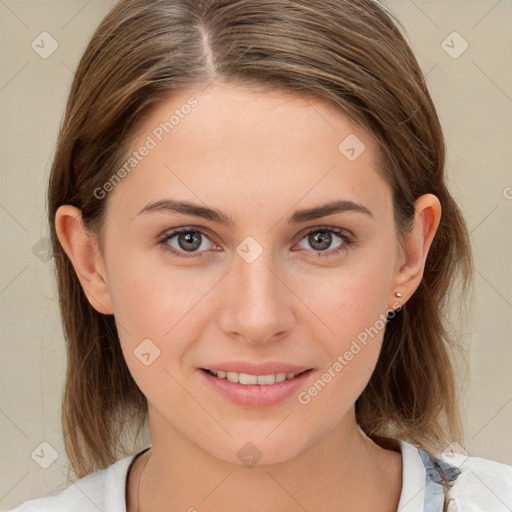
[261, 279]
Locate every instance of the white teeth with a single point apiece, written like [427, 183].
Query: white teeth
[244, 378]
[266, 379]
[232, 376]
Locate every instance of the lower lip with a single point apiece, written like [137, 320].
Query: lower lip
[256, 395]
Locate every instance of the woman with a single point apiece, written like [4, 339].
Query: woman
[254, 245]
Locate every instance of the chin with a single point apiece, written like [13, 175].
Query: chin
[258, 451]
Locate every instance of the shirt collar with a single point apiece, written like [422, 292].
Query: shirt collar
[414, 475]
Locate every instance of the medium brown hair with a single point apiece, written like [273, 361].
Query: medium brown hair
[350, 53]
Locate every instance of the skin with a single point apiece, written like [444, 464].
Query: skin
[257, 156]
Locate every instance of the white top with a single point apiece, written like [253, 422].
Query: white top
[478, 485]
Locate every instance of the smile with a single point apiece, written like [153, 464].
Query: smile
[244, 389]
[247, 379]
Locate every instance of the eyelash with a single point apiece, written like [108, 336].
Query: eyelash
[347, 241]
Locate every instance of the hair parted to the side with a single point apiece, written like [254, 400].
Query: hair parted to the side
[349, 52]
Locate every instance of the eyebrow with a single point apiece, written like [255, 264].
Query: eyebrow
[187, 208]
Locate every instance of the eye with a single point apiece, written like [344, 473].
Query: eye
[188, 240]
[321, 238]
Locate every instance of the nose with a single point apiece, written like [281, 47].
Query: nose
[259, 300]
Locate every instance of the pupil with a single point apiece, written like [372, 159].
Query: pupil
[322, 237]
[189, 239]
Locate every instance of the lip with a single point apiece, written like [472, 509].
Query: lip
[255, 395]
[256, 369]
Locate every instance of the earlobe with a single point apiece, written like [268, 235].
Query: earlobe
[81, 248]
[418, 243]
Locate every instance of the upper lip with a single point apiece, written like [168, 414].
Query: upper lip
[257, 369]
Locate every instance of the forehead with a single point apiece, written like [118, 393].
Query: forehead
[225, 113]
[225, 142]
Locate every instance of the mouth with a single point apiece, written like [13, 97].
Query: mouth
[255, 391]
[254, 380]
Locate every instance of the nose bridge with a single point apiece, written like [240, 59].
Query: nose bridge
[255, 263]
[258, 302]
[258, 277]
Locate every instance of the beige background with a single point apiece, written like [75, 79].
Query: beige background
[473, 93]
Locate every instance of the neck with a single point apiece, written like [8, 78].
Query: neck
[343, 471]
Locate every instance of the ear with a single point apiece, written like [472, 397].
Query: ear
[411, 264]
[82, 249]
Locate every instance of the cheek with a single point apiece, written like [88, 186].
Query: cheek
[152, 318]
[158, 313]
[347, 300]
[148, 297]
[349, 307]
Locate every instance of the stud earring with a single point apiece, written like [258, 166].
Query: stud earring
[398, 294]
